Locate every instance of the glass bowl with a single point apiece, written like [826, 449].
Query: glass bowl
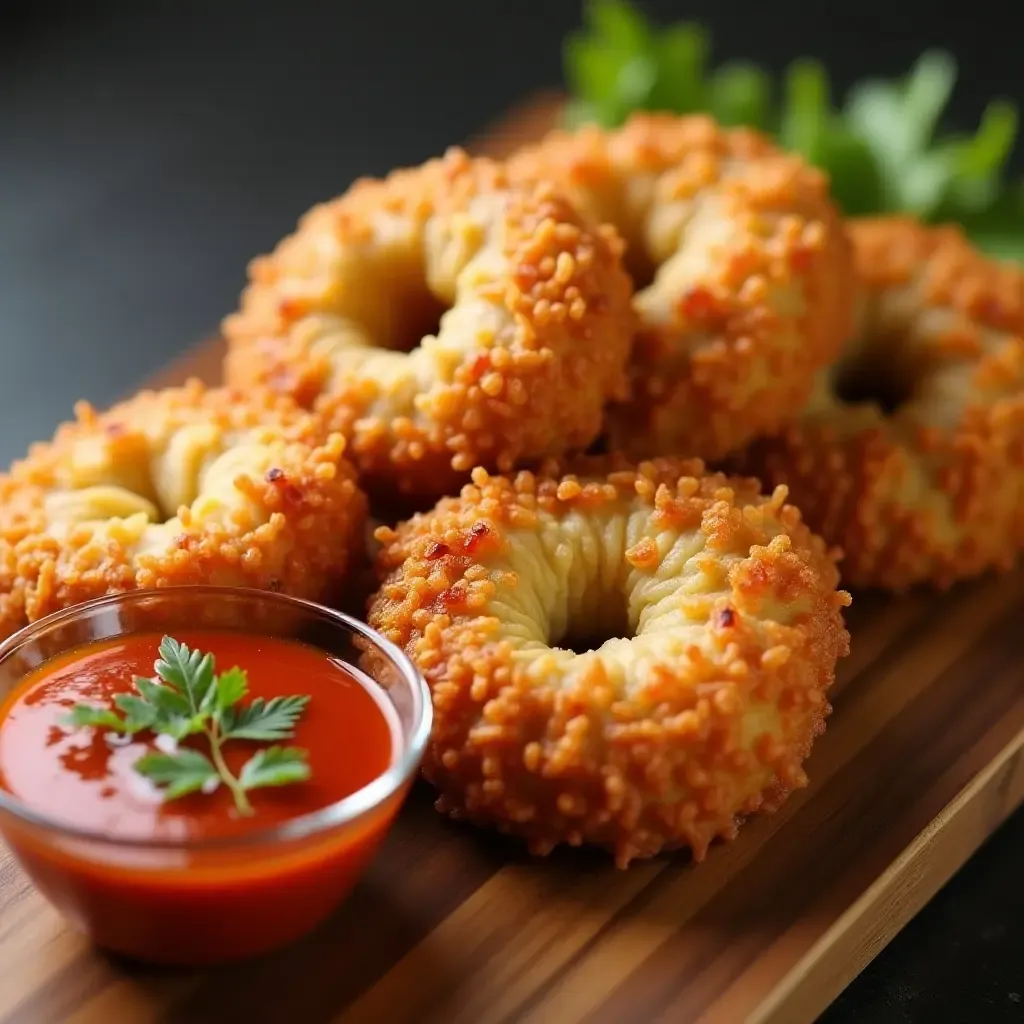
[217, 899]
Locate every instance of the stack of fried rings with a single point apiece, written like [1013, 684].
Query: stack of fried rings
[623, 652]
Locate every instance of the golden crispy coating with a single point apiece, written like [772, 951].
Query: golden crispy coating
[534, 337]
[181, 486]
[750, 294]
[709, 622]
[917, 471]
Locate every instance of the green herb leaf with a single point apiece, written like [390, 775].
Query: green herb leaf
[191, 672]
[611, 67]
[180, 726]
[619, 24]
[926, 92]
[85, 715]
[853, 172]
[897, 119]
[170, 711]
[980, 161]
[999, 229]
[231, 687]
[593, 70]
[806, 115]
[180, 773]
[679, 59]
[740, 94]
[1001, 245]
[264, 720]
[881, 150]
[924, 184]
[164, 699]
[138, 713]
[636, 80]
[275, 766]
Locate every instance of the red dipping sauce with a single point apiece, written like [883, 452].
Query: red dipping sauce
[83, 777]
[192, 880]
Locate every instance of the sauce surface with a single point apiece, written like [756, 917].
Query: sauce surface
[84, 777]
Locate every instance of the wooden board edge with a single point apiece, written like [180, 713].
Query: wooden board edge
[900, 892]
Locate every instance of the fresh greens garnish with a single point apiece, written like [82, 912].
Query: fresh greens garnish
[186, 698]
[263, 720]
[881, 148]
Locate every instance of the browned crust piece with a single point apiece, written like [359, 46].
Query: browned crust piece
[650, 744]
[280, 510]
[934, 491]
[534, 343]
[750, 294]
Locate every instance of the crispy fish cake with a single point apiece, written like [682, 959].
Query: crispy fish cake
[910, 455]
[634, 657]
[534, 332]
[181, 486]
[748, 266]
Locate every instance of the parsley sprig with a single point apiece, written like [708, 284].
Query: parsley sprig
[880, 148]
[187, 698]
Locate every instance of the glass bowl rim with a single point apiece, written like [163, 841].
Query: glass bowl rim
[342, 812]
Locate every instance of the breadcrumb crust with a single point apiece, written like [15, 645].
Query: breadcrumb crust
[932, 492]
[534, 342]
[640, 745]
[750, 296]
[269, 501]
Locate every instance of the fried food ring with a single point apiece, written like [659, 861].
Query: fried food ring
[721, 626]
[533, 339]
[750, 293]
[181, 486]
[918, 472]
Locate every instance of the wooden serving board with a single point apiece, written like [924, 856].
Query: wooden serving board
[923, 759]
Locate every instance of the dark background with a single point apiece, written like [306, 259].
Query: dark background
[148, 150]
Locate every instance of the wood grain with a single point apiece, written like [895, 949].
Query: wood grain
[923, 759]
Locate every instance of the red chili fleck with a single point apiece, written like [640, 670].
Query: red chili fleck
[292, 494]
[480, 366]
[991, 310]
[726, 618]
[454, 595]
[274, 474]
[698, 303]
[291, 309]
[115, 429]
[437, 550]
[526, 273]
[477, 533]
[801, 258]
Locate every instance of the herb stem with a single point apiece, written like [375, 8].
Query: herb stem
[227, 777]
